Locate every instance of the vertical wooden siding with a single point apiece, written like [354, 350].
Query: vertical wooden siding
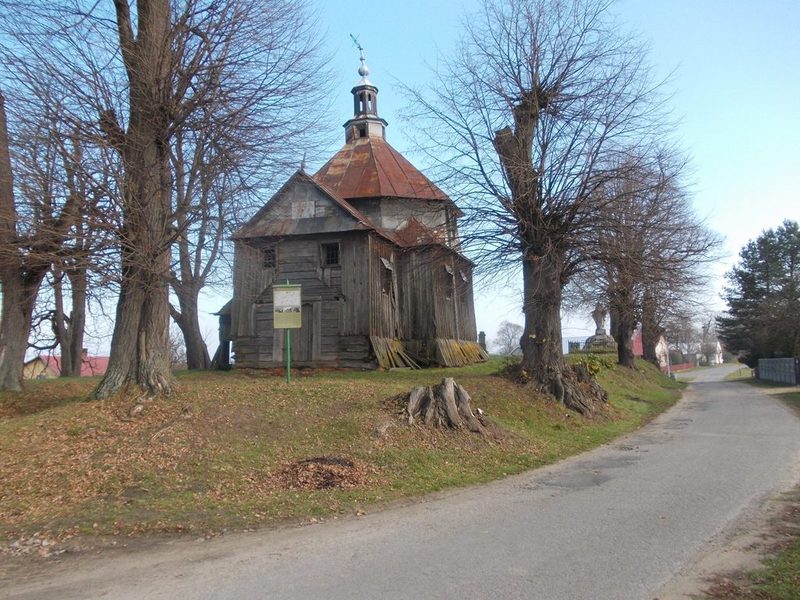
[250, 278]
[384, 310]
[427, 312]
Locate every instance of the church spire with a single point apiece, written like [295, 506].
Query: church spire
[365, 122]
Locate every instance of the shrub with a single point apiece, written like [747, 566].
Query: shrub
[595, 363]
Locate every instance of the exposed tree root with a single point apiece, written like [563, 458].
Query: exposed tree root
[576, 389]
[444, 405]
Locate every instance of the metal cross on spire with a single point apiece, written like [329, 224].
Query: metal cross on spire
[363, 70]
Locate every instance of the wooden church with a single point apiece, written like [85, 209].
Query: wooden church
[374, 245]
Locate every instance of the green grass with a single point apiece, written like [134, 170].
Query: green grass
[743, 372]
[212, 456]
[780, 577]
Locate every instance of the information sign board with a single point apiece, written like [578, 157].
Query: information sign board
[286, 306]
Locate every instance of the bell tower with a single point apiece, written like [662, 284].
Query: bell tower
[365, 122]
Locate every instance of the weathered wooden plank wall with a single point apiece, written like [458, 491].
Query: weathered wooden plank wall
[335, 305]
[417, 292]
[384, 313]
[468, 329]
[250, 278]
[354, 298]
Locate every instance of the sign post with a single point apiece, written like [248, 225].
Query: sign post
[286, 306]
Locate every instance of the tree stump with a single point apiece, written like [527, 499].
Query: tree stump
[445, 405]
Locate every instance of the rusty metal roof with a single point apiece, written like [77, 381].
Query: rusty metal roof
[369, 167]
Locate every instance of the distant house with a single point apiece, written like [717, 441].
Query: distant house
[662, 349]
[715, 357]
[49, 367]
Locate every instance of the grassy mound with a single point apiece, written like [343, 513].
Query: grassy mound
[237, 449]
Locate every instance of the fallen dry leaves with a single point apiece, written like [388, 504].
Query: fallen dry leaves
[325, 472]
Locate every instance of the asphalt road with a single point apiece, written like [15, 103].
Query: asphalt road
[615, 523]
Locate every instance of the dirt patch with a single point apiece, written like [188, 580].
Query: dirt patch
[723, 571]
[783, 530]
[324, 472]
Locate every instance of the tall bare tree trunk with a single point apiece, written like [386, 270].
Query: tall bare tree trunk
[140, 343]
[623, 323]
[542, 357]
[60, 324]
[543, 264]
[19, 298]
[77, 322]
[651, 330]
[70, 330]
[20, 281]
[189, 323]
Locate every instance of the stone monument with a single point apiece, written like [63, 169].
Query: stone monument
[600, 341]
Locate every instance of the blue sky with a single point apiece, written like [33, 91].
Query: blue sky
[735, 69]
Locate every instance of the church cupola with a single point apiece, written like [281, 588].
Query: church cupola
[365, 122]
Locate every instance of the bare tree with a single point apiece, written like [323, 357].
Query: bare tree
[647, 240]
[507, 340]
[31, 232]
[84, 268]
[540, 98]
[260, 67]
[143, 78]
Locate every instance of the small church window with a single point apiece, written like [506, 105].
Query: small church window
[330, 254]
[362, 131]
[269, 257]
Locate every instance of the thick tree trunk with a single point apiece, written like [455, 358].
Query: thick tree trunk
[140, 343]
[20, 282]
[19, 298]
[542, 356]
[623, 324]
[625, 329]
[77, 321]
[189, 323]
[651, 331]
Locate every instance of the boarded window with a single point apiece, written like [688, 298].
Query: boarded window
[330, 254]
[270, 257]
[302, 209]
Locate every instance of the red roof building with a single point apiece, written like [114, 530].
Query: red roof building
[48, 367]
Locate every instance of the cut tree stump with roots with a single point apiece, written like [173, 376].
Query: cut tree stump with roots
[444, 405]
